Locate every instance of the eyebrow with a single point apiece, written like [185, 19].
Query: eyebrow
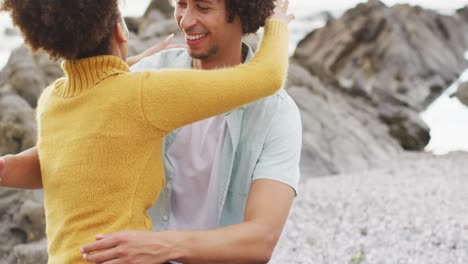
[205, 1]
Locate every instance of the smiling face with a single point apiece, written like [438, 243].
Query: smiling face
[207, 32]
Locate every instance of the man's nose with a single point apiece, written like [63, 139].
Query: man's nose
[188, 19]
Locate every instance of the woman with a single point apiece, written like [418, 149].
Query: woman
[100, 128]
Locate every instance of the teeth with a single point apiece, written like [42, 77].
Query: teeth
[195, 37]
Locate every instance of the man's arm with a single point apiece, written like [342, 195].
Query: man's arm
[252, 241]
[21, 170]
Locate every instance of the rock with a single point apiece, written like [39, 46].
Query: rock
[340, 133]
[405, 125]
[462, 93]
[463, 12]
[133, 23]
[32, 253]
[22, 222]
[10, 32]
[156, 24]
[159, 29]
[158, 17]
[403, 54]
[29, 75]
[17, 125]
[164, 6]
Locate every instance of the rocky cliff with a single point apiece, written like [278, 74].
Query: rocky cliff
[397, 59]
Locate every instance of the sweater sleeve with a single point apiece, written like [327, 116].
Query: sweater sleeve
[174, 98]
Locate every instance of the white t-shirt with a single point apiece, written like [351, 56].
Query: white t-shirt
[195, 156]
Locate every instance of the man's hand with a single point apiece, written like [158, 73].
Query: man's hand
[131, 247]
[250, 242]
[166, 44]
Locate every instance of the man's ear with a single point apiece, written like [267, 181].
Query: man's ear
[119, 32]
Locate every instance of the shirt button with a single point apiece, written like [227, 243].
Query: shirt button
[168, 186]
[165, 218]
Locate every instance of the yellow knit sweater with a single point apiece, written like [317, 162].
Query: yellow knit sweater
[101, 129]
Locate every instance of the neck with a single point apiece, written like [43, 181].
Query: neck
[224, 59]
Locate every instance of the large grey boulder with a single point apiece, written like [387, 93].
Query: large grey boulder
[29, 74]
[403, 56]
[341, 133]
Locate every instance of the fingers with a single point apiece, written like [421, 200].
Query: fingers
[281, 11]
[169, 39]
[114, 261]
[160, 46]
[282, 5]
[175, 46]
[166, 44]
[102, 244]
[103, 256]
[285, 6]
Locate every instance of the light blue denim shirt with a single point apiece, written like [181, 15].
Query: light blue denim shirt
[263, 142]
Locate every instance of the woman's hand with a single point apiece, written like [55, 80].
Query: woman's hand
[21, 171]
[2, 169]
[166, 44]
[281, 11]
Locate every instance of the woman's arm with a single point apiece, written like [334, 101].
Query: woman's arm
[21, 171]
[166, 44]
[174, 98]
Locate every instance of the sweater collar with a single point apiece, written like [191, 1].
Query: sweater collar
[81, 75]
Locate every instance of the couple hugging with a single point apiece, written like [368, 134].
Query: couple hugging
[181, 136]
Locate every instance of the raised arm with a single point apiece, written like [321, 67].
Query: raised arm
[174, 98]
[21, 171]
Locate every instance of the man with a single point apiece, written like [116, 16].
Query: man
[231, 178]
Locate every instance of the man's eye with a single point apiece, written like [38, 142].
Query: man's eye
[202, 8]
[181, 4]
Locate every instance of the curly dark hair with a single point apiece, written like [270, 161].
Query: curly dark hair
[70, 29]
[252, 13]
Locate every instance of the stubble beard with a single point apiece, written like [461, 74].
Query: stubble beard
[213, 51]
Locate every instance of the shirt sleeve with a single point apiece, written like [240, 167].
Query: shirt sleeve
[281, 152]
[174, 98]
